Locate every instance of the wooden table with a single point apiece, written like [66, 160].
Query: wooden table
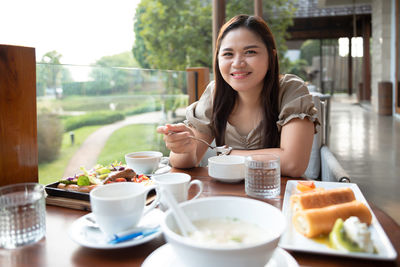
[57, 249]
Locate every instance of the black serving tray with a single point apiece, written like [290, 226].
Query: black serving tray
[52, 190]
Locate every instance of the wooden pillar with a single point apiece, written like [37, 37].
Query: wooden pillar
[350, 70]
[258, 8]
[385, 98]
[366, 60]
[197, 81]
[218, 18]
[18, 130]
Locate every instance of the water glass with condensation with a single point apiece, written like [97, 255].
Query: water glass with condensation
[22, 214]
[263, 176]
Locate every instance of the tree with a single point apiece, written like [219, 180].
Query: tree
[53, 74]
[110, 75]
[50, 74]
[299, 68]
[124, 59]
[310, 49]
[168, 37]
[176, 34]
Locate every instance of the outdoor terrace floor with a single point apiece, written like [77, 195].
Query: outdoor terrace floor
[368, 147]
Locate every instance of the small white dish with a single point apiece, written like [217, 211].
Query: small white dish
[165, 256]
[226, 168]
[82, 232]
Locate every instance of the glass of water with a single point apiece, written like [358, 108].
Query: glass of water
[263, 176]
[22, 214]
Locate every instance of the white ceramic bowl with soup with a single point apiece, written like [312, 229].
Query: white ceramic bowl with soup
[248, 240]
[228, 169]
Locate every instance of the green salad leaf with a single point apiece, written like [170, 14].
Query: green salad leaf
[83, 180]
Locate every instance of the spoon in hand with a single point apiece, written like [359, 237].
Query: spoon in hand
[221, 150]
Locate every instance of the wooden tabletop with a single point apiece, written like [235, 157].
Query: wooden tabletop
[57, 249]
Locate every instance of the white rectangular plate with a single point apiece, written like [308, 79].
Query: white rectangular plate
[292, 240]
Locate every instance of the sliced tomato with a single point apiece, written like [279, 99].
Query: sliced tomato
[140, 178]
[304, 186]
[120, 180]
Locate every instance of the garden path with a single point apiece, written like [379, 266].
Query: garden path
[90, 149]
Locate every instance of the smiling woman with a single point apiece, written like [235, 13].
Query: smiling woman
[249, 106]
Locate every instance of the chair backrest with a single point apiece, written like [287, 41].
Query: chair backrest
[314, 165]
[323, 164]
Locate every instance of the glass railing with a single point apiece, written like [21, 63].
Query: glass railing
[95, 115]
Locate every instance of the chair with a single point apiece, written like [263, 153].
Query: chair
[323, 164]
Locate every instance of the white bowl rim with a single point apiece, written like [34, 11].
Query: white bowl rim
[219, 160]
[189, 243]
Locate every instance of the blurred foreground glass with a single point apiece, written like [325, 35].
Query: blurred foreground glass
[22, 214]
[263, 176]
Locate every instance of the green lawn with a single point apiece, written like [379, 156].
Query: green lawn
[136, 137]
[52, 172]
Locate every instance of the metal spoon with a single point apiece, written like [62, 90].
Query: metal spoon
[221, 150]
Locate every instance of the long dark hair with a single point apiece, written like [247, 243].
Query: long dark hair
[224, 95]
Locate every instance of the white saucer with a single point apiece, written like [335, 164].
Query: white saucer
[164, 256]
[83, 232]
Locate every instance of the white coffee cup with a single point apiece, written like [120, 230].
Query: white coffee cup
[120, 206]
[178, 185]
[145, 162]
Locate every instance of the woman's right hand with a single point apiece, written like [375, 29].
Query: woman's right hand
[176, 137]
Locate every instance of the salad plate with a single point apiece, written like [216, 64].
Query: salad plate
[292, 240]
[86, 234]
[110, 173]
[164, 256]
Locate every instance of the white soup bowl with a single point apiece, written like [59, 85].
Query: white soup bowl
[194, 254]
[228, 169]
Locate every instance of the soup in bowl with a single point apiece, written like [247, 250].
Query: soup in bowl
[232, 231]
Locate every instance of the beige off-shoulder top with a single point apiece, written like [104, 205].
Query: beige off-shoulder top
[294, 102]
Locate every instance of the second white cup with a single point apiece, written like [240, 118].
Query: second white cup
[120, 206]
[178, 185]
